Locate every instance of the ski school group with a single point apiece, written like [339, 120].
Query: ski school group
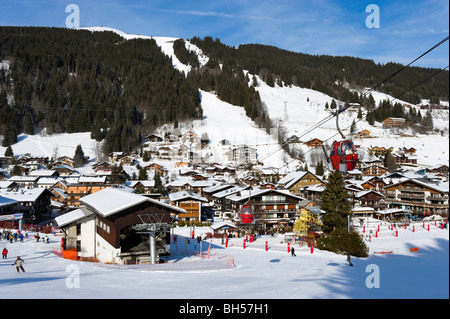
[14, 237]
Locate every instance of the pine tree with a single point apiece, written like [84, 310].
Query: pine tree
[333, 104]
[353, 127]
[9, 152]
[335, 203]
[78, 158]
[337, 238]
[389, 162]
[320, 169]
[142, 174]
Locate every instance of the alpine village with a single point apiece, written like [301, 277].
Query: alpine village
[131, 143]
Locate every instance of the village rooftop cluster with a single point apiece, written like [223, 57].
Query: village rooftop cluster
[105, 203]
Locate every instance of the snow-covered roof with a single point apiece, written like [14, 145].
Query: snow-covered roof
[110, 200]
[291, 178]
[72, 216]
[24, 195]
[184, 195]
[229, 191]
[48, 181]
[5, 201]
[440, 187]
[223, 224]
[146, 183]
[42, 172]
[92, 179]
[362, 193]
[16, 178]
[246, 194]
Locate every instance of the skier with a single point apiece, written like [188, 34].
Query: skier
[5, 253]
[18, 263]
[293, 251]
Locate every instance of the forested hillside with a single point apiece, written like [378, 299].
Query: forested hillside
[120, 90]
[331, 75]
[79, 81]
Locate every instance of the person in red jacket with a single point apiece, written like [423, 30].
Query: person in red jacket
[4, 253]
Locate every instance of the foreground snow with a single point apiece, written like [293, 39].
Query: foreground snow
[235, 273]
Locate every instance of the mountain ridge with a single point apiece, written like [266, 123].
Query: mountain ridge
[273, 111]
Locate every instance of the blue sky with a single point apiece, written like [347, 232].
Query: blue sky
[407, 28]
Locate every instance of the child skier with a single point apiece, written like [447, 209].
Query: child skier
[18, 263]
[4, 253]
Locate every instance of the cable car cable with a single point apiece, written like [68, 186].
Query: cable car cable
[347, 105]
[385, 103]
[357, 99]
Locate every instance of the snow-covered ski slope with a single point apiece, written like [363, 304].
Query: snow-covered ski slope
[295, 109]
[237, 273]
[298, 109]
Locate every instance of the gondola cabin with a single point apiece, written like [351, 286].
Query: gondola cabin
[343, 156]
[246, 214]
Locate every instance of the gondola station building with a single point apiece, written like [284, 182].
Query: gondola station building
[104, 227]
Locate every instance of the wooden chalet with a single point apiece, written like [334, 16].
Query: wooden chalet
[442, 169]
[64, 170]
[190, 202]
[394, 122]
[156, 168]
[380, 151]
[419, 196]
[153, 138]
[363, 134]
[296, 181]
[103, 166]
[273, 208]
[33, 203]
[374, 170]
[86, 185]
[104, 228]
[65, 160]
[315, 142]
[370, 198]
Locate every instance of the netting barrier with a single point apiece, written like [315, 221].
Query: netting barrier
[194, 263]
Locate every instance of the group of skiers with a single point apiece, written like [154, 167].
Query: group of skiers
[18, 262]
[13, 237]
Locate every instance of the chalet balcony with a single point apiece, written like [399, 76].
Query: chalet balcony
[411, 189]
[411, 195]
[437, 198]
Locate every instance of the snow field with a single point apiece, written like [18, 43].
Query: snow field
[272, 274]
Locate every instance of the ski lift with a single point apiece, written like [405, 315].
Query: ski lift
[246, 214]
[247, 211]
[343, 156]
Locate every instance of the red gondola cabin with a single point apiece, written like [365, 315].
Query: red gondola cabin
[343, 156]
[246, 215]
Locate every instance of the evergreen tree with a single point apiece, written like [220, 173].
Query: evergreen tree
[335, 203]
[389, 162]
[320, 169]
[16, 170]
[9, 152]
[333, 104]
[159, 188]
[337, 238]
[142, 174]
[78, 158]
[428, 121]
[353, 127]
